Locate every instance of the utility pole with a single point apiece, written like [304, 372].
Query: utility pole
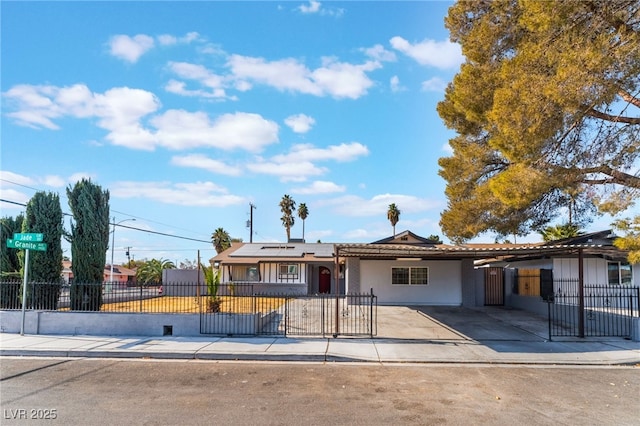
[250, 222]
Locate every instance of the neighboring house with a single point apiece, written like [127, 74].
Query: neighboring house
[403, 269]
[603, 264]
[121, 274]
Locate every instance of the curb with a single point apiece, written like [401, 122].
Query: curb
[299, 358]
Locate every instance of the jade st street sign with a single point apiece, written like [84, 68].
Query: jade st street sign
[26, 245]
[34, 238]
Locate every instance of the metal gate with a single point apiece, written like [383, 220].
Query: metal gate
[601, 311]
[318, 315]
[494, 287]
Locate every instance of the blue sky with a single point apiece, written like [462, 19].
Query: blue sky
[187, 112]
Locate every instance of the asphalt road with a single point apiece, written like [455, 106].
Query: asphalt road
[144, 392]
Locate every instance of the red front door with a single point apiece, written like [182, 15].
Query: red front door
[324, 280]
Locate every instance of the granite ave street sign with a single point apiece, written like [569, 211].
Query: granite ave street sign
[27, 241]
[26, 245]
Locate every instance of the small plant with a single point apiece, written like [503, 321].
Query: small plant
[212, 280]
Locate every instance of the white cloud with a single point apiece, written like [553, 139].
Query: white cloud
[167, 39]
[379, 53]
[344, 80]
[15, 196]
[54, 181]
[312, 7]
[196, 194]
[78, 176]
[315, 7]
[121, 112]
[438, 54]
[319, 187]
[307, 152]
[394, 84]
[434, 84]
[128, 48]
[336, 79]
[351, 205]
[298, 165]
[203, 162]
[179, 129]
[300, 123]
[287, 171]
[447, 148]
[215, 83]
[15, 178]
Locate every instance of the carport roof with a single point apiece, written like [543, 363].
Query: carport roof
[468, 251]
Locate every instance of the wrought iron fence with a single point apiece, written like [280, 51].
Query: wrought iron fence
[103, 297]
[247, 310]
[600, 311]
[235, 308]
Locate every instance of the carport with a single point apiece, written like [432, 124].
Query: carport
[354, 260]
[451, 324]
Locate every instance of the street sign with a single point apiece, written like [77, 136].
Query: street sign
[26, 245]
[36, 238]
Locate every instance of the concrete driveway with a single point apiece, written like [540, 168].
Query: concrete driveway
[458, 323]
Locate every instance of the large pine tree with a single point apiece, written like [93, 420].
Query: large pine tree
[547, 112]
[89, 243]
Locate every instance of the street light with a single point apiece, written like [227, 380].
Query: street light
[113, 239]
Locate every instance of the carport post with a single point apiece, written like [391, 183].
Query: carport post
[580, 293]
[337, 286]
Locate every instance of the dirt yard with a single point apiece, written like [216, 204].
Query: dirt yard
[186, 305]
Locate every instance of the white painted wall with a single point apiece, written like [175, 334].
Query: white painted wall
[595, 271]
[444, 288]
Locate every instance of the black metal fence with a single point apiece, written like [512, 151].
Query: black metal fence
[243, 309]
[234, 309]
[103, 297]
[601, 311]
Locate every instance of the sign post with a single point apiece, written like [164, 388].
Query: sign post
[24, 290]
[26, 242]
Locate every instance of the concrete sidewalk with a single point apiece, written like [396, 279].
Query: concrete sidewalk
[380, 350]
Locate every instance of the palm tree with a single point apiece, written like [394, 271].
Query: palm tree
[393, 214]
[303, 213]
[151, 271]
[220, 240]
[559, 232]
[287, 207]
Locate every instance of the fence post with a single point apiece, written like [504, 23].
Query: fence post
[580, 293]
[549, 317]
[371, 313]
[286, 315]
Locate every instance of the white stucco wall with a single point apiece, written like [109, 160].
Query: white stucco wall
[444, 288]
[595, 271]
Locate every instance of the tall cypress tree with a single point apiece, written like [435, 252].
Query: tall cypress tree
[89, 243]
[44, 215]
[9, 264]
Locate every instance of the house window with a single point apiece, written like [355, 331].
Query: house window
[619, 273]
[410, 276]
[246, 273]
[288, 270]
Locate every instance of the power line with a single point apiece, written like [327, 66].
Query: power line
[112, 210]
[125, 226]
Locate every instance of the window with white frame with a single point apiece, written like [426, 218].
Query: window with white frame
[619, 273]
[288, 270]
[410, 276]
